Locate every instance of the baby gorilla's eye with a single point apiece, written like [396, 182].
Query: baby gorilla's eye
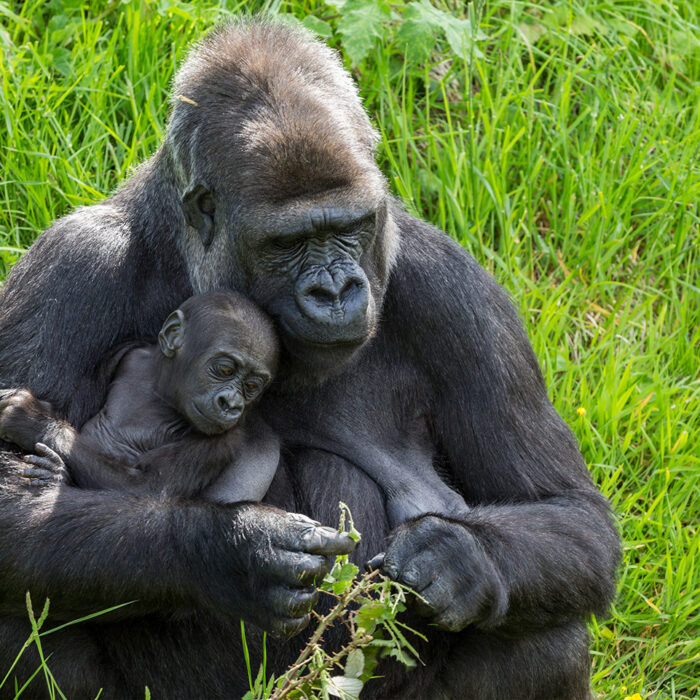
[252, 387]
[224, 370]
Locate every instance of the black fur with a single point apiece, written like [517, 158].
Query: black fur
[178, 421]
[430, 369]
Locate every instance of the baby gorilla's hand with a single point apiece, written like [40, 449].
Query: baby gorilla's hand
[44, 468]
[24, 420]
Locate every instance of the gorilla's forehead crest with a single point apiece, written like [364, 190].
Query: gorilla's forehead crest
[280, 103]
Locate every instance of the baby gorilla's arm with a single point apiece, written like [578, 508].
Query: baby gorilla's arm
[31, 425]
[185, 468]
[250, 475]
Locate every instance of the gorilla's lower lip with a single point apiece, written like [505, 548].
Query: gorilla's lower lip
[206, 423]
[339, 344]
[333, 344]
[218, 426]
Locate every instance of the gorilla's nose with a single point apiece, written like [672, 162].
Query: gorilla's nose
[339, 298]
[230, 403]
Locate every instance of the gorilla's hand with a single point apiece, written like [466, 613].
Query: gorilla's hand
[281, 557]
[444, 563]
[24, 420]
[44, 468]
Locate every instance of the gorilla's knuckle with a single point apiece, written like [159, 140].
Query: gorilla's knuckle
[411, 576]
[450, 621]
[391, 566]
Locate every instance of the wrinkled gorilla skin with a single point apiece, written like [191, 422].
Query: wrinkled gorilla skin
[398, 347]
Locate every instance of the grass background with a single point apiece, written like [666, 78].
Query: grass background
[565, 155]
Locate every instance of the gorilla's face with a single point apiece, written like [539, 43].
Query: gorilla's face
[317, 279]
[219, 354]
[318, 266]
[281, 184]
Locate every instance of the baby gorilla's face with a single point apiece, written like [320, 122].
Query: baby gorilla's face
[218, 386]
[219, 353]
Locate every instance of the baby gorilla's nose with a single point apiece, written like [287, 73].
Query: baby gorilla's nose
[230, 403]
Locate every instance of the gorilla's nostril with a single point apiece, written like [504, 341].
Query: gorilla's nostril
[351, 288]
[321, 295]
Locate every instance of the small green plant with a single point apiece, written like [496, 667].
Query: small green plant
[34, 639]
[368, 606]
[416, 29]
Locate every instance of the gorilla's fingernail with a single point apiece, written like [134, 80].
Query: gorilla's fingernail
[375, 562]
[327, 531]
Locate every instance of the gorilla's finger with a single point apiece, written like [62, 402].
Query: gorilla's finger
[417, 575]
[292, 603]
[422, 606]
[328, 542]
[302, 534]
[288, 627]
[45, 451]
[375, 562]
[450, 620]
[435, 599]
[300, 568]
[42, 463]
[301, 601]
[37, 473]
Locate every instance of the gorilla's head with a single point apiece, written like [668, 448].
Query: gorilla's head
[274, 157]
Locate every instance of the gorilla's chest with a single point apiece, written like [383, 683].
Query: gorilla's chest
[132, 422]
[370, 418]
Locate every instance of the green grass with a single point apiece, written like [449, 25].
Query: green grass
[565, 156]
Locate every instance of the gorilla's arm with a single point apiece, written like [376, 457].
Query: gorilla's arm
[29, 423]
[90, 550]
[85, 287]
[538, 546]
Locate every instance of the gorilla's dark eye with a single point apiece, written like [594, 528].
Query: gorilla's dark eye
[286, 245]
[224, 370]
[252, 387]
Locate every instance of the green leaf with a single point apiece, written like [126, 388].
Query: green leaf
[355, 663]
[348, 572]
[459, 37]
[361, 24]
[344, 687]
[317, 26]
[61, 61]
[415, 35]
[339, 587]
[423, 19]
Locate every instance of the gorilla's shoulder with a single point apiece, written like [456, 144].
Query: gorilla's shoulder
[87, 238]
[433, 269]
[102, 224]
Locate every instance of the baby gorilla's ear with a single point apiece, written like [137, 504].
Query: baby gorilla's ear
[172, 334]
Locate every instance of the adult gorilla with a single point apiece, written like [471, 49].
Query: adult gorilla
[399, 350]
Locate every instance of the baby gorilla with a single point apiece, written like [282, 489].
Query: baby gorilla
[177, 418]
[167, 426]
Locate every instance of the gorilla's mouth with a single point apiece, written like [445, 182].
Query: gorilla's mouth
[209, 425]
[330, 336]
[302, 344]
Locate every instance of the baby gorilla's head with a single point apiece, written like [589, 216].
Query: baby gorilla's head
[220, 352]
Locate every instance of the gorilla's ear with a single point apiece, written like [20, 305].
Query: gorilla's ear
[198, 207]
[172, 334]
